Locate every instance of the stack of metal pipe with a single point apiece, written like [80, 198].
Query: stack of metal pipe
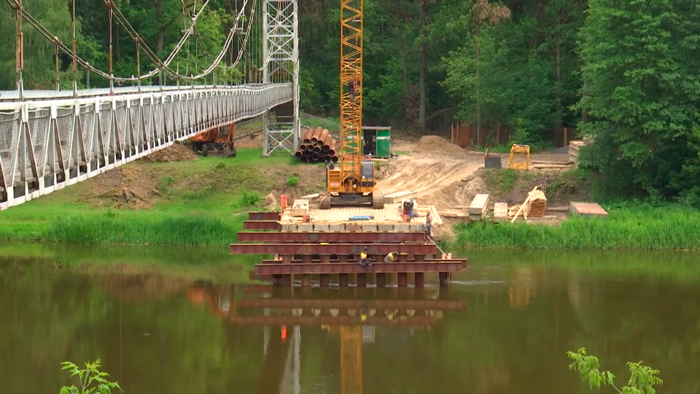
[317, 146]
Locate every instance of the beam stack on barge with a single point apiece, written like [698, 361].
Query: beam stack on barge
[327, 246]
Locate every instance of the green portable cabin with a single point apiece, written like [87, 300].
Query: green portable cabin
[376, 141]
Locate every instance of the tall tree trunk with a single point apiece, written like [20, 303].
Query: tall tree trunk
[161, 26]
[476, 73]
[423, 64]
[560, 111]
[402, 54]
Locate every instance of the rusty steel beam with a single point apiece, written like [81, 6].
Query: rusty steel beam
[353, 268]
[281, 303]
[261, 225]
[340, 237]
[332, 320]
[329, 249]
[264, 216]
[354, 260]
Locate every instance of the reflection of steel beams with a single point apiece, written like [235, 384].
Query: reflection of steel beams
[273, 369]
[331, 320]
[351, 304]
[329, 249]
[350, 268]
[344, 237]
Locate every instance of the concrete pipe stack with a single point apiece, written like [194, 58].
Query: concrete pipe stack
[317, 147]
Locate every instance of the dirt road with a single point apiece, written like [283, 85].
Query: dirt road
[439, 178]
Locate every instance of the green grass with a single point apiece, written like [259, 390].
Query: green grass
[633, 226]
[500, 179]
[204, 202]
[332, 124]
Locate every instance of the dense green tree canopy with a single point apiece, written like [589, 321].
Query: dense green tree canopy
[525, 71]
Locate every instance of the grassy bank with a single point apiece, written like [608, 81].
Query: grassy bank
[191, 202]
[627, 227]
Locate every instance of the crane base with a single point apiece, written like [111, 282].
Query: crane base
[375, 199]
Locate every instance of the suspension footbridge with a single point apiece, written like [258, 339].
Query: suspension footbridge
[50, 139]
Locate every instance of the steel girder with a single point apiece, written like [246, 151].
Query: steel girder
[354, 268]
[344, 237]
[330, 249]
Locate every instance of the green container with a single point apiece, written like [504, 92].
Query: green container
[383, 143]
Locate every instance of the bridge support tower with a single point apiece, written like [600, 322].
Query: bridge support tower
[281, 125]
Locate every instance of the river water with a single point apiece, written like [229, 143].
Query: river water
[182, 321]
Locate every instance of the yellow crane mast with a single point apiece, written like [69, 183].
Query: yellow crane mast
[352, 181]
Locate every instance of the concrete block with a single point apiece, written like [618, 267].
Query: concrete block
[401, 227]
[479, 204]
[416, 227]
[475, 218]
[369, 227]
[322, 228]
[289, 227]
[336, 228]
[385, 228]
[353, 227]
[305, 227]
[500, 212]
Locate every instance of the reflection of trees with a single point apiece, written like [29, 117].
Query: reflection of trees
[47, 317]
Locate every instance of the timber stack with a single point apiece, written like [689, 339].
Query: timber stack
[317, 146]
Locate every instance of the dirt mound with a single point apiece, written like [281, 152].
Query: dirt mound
[175, 152]
[433, 143]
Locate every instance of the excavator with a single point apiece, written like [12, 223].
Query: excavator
[217, 141]
[351, 180]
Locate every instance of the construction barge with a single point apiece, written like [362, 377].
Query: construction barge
[318, 246]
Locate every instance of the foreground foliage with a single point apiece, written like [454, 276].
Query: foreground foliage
[89, 375]
[642, 378]
[628, 227]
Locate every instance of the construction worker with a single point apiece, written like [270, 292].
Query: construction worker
[352, 87]
[410, 209]
[429, 223]
[364, 261]
[391, 257]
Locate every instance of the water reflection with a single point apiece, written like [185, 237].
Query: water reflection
[159, 331]
[350, 314]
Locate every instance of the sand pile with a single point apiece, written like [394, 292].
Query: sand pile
[433, 143]
[175, 152]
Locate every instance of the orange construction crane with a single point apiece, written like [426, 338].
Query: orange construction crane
[352, 182]
[216, 141]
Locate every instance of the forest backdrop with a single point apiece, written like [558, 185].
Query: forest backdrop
[622, 72]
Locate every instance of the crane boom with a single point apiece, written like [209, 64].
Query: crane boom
[351, 29]
[353, 181]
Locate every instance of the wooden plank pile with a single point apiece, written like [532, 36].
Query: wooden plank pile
[317, 146]
[538, 204]
[574, 147]
[551, 165]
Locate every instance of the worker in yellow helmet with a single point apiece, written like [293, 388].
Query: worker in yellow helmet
[364, 261]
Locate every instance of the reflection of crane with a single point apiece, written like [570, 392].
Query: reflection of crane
[350, 358]
[352, 182]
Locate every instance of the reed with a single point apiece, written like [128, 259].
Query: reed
[627, 227]
[138, 228]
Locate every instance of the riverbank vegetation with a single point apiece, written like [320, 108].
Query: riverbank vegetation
[193, 201]
[629, 226]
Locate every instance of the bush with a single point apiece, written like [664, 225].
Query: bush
[293, 180]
